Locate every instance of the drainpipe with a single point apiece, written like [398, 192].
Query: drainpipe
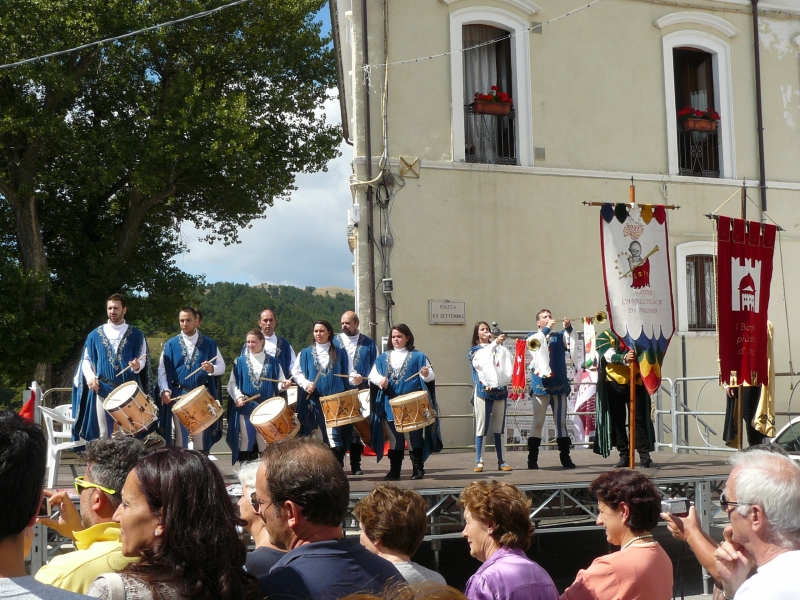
[762, 182]
[337, 51]
[373, 317]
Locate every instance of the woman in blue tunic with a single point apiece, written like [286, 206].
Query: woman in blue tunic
[320, 370]
[489, 404]
[249, 377]
[399, 371]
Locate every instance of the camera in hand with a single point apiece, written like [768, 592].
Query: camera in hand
[44, 508]
[678, 507]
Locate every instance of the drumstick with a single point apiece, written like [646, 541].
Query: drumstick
[415, 374]
[275, 380]
[128, 367]
[316, 378]
[251, 398]
[200, 368]
[338, 375]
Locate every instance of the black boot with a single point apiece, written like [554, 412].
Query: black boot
[418, 466]
[624, 460]
[355, 459]
[395, 464]
[563, 452]
[646, 461]
[339, 454]
[533, 452]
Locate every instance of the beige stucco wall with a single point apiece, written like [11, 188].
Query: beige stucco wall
[511, 240]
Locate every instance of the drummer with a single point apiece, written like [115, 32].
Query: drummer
[187, 352]
[254, 374]
[362, 353]
[274, 345]
[399, 371]
[322, 370]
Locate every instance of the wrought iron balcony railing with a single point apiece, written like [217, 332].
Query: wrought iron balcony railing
[698, 152]
[489, 138]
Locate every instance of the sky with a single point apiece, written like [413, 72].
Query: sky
[302, 242]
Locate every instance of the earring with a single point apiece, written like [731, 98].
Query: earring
[157, 533]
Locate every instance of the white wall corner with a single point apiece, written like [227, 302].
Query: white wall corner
[697, 18]
[525, 6]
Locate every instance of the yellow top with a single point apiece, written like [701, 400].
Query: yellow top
[99, 551]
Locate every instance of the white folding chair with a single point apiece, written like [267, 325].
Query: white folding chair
[55, 445]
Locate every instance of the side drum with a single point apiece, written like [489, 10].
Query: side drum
[197, 410]
[341, 409]
[412, 411]
[362, 427]
[275, 420]
[133, 411]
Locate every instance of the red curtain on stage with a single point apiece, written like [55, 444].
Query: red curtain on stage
[744, 272]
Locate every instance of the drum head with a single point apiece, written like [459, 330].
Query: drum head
[189, 397]
[268, 410]
[120, 395]
[291, 395]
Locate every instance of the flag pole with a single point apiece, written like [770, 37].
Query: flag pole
[632, 418]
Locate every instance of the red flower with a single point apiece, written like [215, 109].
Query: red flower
[494, 87]
[684, 112]
[714, 115]
[698, 114]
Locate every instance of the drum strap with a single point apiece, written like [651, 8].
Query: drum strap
[185, 389]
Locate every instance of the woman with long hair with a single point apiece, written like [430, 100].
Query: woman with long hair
[254, 373]
[399, 371]
[488, 403]
[321, 370]
[176, 516]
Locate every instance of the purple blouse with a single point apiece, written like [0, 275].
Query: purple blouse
[510, 575]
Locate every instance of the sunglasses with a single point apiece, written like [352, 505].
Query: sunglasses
[81, 484]
[726, 504]
[256, 503]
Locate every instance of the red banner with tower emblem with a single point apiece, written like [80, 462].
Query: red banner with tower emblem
[744, 272]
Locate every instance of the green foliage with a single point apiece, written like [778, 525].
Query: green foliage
[105, 152]
[231, 310]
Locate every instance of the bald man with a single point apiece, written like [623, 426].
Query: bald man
[274, 345]
[362, 353]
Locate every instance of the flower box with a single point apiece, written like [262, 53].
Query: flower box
[699, 125]
[500, 109]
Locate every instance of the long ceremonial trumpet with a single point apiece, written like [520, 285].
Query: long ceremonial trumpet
[533, 343]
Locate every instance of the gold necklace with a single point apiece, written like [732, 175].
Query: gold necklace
[640, 537]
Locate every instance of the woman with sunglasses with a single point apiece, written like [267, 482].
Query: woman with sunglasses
[266, 554]
[177, 518]
[628, 505]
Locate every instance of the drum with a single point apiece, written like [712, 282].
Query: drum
[341, 409]
[412, 411]
[274, 420]
[362, 427]
[291, 397]
[133, 411]
[197, 410]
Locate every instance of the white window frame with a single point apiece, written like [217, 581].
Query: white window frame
[723, 95]
[682, 251]
[521, 78]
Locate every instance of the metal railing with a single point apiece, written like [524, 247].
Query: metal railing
[489, 138]
[698, 152]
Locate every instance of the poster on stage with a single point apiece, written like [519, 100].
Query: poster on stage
[744, 272]
[636, 270]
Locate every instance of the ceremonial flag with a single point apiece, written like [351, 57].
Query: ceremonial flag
[636, 271]
[744, 272]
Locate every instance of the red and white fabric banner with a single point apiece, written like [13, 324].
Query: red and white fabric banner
[744, 272]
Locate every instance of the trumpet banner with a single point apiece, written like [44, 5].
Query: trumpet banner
[636, 271]
[744, 272]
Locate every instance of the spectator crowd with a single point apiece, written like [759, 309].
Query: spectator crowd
[161, 526]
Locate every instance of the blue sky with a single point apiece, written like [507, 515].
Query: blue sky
[301, 242]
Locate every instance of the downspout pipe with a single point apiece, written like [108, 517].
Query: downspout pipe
[762, 181]
[337, 51]
[373, 313]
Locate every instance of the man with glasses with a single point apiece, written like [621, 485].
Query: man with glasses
[762, 499]
[303, 509]
[96, 536]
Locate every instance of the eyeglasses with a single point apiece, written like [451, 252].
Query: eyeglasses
[726, 504]
[257, 503]
[81, 484]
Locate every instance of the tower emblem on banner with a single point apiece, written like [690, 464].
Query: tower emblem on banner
[636, 271]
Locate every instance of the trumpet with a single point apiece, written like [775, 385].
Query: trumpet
[599, 317]
[533, 343]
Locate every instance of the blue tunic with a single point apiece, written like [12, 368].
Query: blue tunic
[250, 384]
[480, 389]
[399, 384]
[365, 355]
[283, 353]
[178, 363]
[557, 383]
[309, 409]
[107, 364]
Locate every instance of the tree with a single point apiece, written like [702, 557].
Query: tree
[107, 151]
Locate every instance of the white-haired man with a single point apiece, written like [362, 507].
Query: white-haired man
[762, 499]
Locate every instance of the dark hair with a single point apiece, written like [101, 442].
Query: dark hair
[634, 489]
[403, 328]
[332, 351]
[199, 314]
[475, 339]
[199, 550]
[395, 516]
[503, 505]
[305, 471]
[544, 310]
[108, 462]
[117, 298]
[189, 309]
[256, 332]
[23, 456]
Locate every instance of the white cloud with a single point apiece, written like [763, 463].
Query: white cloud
[302, 242]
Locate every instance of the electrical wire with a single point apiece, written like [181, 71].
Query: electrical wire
[199, 15]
